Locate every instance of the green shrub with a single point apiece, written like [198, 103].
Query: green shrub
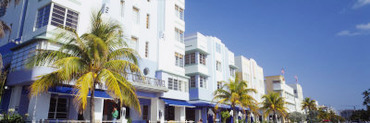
[12, 117]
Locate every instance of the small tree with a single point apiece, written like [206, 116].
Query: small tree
[225, 115]
[296, 117]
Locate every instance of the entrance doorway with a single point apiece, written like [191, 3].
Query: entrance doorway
[190, 114]
[108, 109]
[169, 113]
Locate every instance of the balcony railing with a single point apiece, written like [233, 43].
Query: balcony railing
[139, 79]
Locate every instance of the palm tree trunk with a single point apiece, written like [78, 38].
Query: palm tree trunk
[274, 118]
[234, 114]
[92, 104]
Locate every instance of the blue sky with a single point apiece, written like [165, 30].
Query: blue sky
[326, 43]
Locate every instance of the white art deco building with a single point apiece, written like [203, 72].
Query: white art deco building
[155, 28]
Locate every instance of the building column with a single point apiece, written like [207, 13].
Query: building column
[38, 107]
[15, 97]
[180, 113]
[157, 110]
[198, 114]
[204, 114]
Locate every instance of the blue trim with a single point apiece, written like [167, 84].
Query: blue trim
[172, 102]
[146, 94]
[23, 18]
[70, 90]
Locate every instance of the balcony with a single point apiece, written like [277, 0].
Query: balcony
[147, 84]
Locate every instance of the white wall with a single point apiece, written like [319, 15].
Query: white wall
[39, 106]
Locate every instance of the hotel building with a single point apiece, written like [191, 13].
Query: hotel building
[155, 28]
[292, 93]
[208, 62]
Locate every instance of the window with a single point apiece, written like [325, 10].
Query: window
[192, 81]
[146, 49]
[202, 82]
[170, 83]
[179, 35]
[43, 16]
[20, 56]
[219, 85]
[145, 112]
[147, 21]
[218, 48]
[2, 11]
[218, 66]
[276, 81]
[179, 60]
[190, 58]
[133, 43]
[175, 84]
[202, 58]
[58, 108]
[136, 15]
[64, 18]
[232, 72]
[180, 84]
[179, 12]
[122, 8]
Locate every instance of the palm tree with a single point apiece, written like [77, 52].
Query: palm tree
[273, 103]
[366, 97]
[3, 26]
[99, 57]
[309, 105]
[236, 93]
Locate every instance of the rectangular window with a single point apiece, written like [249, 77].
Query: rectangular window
[146, 49]
[170, 83]
[202, 58]
[20, 56]
[179, 35]
[190, 58]
[145, 112]
[136, 15]
[43, 16]
[122, 8]
[147, 21]
[179, 12]
[202, 81]
[218, 48]
[219, 85]
[175, 84]
[232, 72]
[179, 60]
[133, 43]
[58, 108]
[64, 18]
[192, 81]
[276, 81]
[218, 66]
[180, 85]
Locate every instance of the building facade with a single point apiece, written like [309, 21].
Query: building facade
[292, 94]
[252, 73]
[208, 62]
[155, 28]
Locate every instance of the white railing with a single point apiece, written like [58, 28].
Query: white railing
[136, 78]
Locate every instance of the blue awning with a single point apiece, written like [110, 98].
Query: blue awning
[71, 91]
[209, 104]
[172, 102]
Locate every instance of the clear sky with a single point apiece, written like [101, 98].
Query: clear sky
[326, 43]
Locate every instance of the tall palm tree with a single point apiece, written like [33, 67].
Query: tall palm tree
[3, 26]
[366, 97]
[309, 105]
[273, 103]
[99, 57]
[236, 93]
